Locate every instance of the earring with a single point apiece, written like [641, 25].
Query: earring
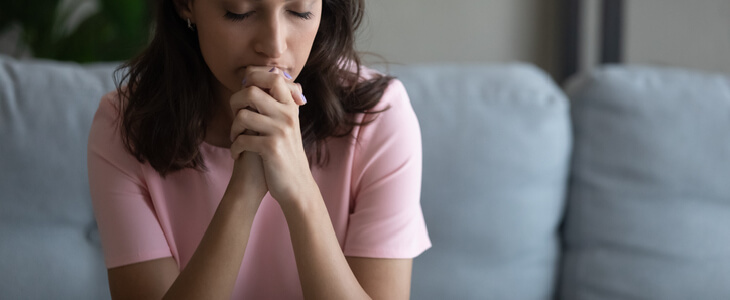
[190, 25]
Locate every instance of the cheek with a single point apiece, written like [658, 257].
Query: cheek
[219, 51]
[214, 46]
[303, 41]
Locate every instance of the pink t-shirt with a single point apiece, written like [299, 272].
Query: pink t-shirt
[371, 187]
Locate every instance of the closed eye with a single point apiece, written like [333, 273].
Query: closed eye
[304, 15]
[237, 17]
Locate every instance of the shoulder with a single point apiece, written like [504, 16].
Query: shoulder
[109, 108]
[105, 143]
[391, 128]
[394, 96]
[106, 122]
[394, 108]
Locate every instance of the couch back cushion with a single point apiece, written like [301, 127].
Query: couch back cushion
[48, 240]
[648, 213]
[496, 148]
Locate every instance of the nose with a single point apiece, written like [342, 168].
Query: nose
[271, 41]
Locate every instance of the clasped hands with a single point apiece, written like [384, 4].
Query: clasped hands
[266, 136]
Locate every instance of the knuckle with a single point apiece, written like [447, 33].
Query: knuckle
[280, 131]
[270, 145]
[279, 81]
[236, 148]
[275, 147]
[248, 92]
[242, 114]
[237, 143]
[290, 121]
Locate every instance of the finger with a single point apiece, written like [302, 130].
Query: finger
[268, 69]
[239, 129]
[249, 120]
[298, 96]
[296, 88]
[252, 143]
[253, 98]
[274, 80]
[276, 85]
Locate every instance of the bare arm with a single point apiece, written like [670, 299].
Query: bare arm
[383, 278]
[324, 271]
[213, 268]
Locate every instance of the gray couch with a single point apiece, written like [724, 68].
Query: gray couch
[623, 192]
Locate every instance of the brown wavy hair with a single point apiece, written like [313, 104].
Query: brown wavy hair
[166, 107]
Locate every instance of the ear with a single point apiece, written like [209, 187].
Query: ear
[184, 9]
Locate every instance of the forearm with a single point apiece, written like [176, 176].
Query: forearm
[212, 271]
[323, 270]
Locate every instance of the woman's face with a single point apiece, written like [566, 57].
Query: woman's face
[235, 34]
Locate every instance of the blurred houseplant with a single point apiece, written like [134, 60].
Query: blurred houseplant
[79, 30]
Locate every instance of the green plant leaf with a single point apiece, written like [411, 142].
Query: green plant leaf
[118, 31]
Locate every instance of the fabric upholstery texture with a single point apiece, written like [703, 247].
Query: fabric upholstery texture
[496, 148]
[649, 204]
[645, 171]
[49, 243]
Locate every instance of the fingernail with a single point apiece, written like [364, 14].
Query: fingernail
[304, 99]
[243, 82]
[272, 69]
[287, 75]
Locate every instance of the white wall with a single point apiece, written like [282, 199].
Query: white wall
[413, 31]
[683, 33]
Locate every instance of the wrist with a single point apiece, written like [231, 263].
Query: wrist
[246, 188]
[245, 204]
[247, 179]
[303, 203]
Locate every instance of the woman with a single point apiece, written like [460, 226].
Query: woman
[213, 176]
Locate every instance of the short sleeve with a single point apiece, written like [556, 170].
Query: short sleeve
[129, 229]
[386, 219]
